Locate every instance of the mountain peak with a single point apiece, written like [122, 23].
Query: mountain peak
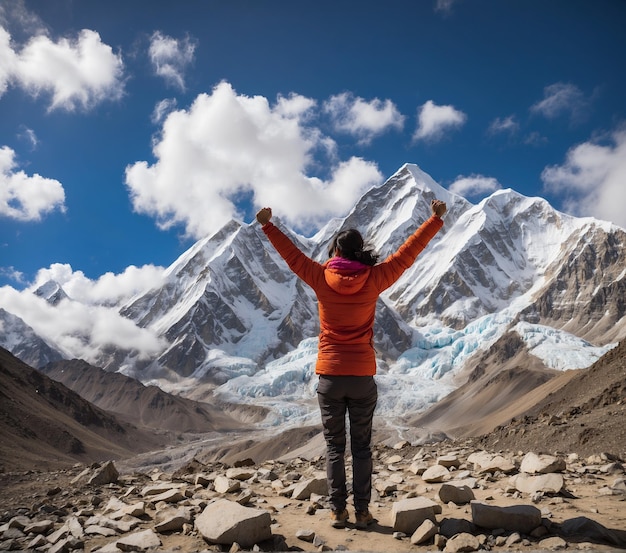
[51, 291]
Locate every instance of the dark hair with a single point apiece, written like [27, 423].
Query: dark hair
[349, 244]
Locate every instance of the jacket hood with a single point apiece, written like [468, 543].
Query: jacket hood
[345, 276]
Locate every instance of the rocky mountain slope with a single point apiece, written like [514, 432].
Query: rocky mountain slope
[146, 405]
[43, 424]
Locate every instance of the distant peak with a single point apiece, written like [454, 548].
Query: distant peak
[51, 291]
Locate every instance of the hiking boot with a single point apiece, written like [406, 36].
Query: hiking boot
[338, 519]
[363, 519]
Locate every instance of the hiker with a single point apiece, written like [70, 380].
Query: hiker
[347, 288]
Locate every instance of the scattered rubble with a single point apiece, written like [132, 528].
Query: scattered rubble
[465, 500]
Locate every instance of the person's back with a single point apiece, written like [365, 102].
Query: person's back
[347, 287]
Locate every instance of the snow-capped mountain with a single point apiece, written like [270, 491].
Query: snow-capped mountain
[232, 316]
[23, 342]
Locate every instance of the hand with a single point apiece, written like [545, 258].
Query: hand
[264, 215]
[438, 207]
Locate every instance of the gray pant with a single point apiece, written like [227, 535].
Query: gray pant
[358, 396]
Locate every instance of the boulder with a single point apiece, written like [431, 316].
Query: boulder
[105, 474]
[514, 518]
[226, 522]
[436, 473]
[303, 490]
[458, 494]
[545, 483]
[139, 541]
[425, 532]
[462, 542]
[541, 464]
[408, 514]
[484, 461]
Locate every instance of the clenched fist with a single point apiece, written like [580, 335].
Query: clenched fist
[264, 215]
[438, 207]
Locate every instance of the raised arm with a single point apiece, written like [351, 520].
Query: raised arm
[392, 268]
[302, 265]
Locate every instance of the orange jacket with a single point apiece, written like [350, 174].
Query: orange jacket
[347, 299]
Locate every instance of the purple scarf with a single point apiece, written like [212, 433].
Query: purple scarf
[348, 265]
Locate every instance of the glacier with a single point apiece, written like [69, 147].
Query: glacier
[420, 377]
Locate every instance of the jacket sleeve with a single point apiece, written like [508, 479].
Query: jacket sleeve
[390, 270]
[302, 265]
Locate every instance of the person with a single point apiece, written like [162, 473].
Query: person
[347, 287]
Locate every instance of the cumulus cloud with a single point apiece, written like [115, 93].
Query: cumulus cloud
[500, 125]
[434, 121]
[24, 197]
[77, 329]
[80, 72]
[170, 57]
[84, 323]
[361, 118]
[561, 99]
[474, 185]
[226, 146]
[108, 289]
[591, 180]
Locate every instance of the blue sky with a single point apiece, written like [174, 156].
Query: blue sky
[128, 130]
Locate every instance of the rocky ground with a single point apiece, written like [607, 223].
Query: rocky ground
[450, 497]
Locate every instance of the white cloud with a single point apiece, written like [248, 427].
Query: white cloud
[29, 135]
[474, 185]
[8, 61]
[503, 125]
[83, 324]
[561, 99]
[592, 178]
[444, 5]
[362, 118]
[79, 330]
[77, 73]
[23, 197]
[162, 108]
[110, 288]
[13, 274]
[170, 57]
[228, 145]
[434, 121]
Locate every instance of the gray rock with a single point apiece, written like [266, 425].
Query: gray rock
[449, 527]
[408, 514]
[436, 473]
[170, 496]
[303, 490]
[425, 532]
[484, 461]
[106, 474]
[222, 484]
[226, 522]
[545, 483]
[307, 535]
[520, 518]
[541, 464]
[139, 541]
[553, 544]
[462, 542]
[39, 527]
[172, 520]
[591, 530]
[449, 461]
[458, 494]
